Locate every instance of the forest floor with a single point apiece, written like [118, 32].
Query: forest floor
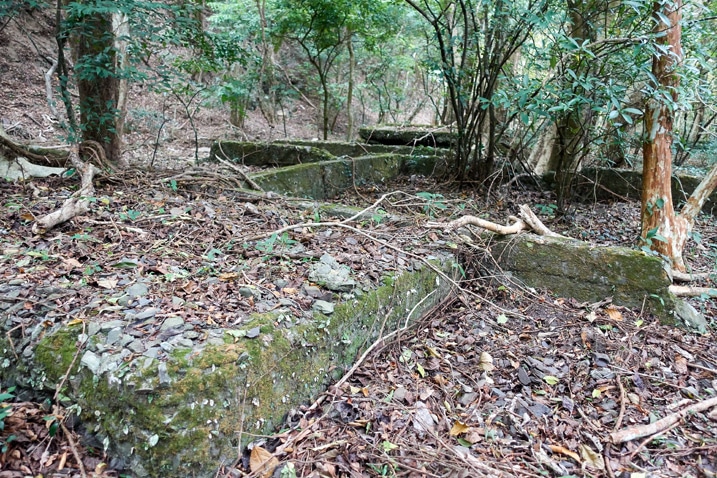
[501, 381]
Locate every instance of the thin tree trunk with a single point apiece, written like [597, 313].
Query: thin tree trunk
[664, 231]
[350, 93]
[99, 93]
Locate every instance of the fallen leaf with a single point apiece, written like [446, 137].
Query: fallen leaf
[486, 362]
[228, 276]
[107, 283]
[262, 462]
[565, 451]
[458, 428]
[591, 458]
[613, 313]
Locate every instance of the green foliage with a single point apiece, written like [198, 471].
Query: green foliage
[5, 411]
[434, 203]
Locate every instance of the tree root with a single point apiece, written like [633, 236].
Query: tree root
[78, 203]
[641, 431]
[528, 221]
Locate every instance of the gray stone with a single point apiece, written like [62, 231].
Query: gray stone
[171, 323]
[178, 301]
[690, 316]
[323, 307]
[136, 346]
[109, 363]
[112, 324]
[152, 352]
[124, 300]
[93, 328]
[137, 290]
[247, 292]
[91, 361]
[215, 341]
[164, 378]
[184, 343]
[167, 346]
[253, 333]
[147, 314]
[332, 275]
[113, 336]
[191, 334]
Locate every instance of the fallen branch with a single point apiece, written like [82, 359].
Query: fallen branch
[690, 291]
[75, 205]
[641, 431]
[527, 221]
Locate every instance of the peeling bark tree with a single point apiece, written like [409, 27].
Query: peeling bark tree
[662, 229]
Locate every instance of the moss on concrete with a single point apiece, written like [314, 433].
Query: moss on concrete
[193, 422]
[589, 273]
[327, 179]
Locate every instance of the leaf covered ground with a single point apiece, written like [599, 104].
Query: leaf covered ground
[500, 381]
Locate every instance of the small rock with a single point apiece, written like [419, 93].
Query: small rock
[91, 361]
[281, 283]
[539, 410]
[690, 316]
[148, 314]
[253, 333]
[137, 290]
[152, 352]
[112, 324]
[167, 347]
[124, 300]
[171, 323]
[177, 301]
[323, 307]
[399, 394]
[423, 420]
[164, 378]
[191, 335]
[602, 374]
[113, 336]
[523, 376]
[136, 346]
[467, 398]
[246, 292]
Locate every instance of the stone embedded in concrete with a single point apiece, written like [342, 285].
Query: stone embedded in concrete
[186, 394]
[588, 273]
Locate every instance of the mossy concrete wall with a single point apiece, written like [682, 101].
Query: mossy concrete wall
[588, 273]
[603, 183]
[288, 153]
[188, 415]
[409, 136]
[328, 179]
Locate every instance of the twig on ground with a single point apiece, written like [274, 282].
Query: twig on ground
[640, 431]
[237, 169]
[73, 447]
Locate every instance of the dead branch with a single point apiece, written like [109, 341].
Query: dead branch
[75, 205]
[641, 431]
[237, 169]
[690, 291]
[528, 221]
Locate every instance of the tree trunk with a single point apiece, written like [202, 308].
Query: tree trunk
[662, 230]
[350, 94]
[99, 89]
